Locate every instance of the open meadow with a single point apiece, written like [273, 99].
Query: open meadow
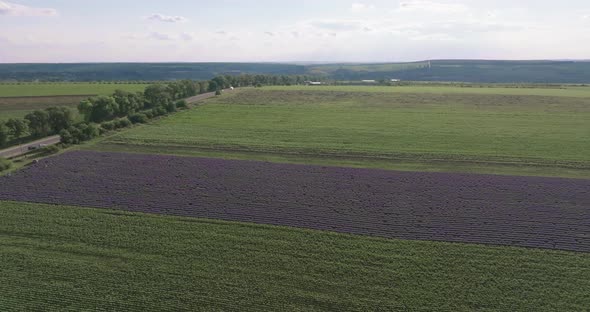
[436, 131]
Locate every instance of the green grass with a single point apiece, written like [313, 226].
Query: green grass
[52, 89]
[565, 91]
[504, 134]
[72, 259]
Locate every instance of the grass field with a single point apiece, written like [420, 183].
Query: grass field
[489, 133]
[66, 258]
[52, 89]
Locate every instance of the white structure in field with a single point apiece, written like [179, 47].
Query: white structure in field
[396, 80]
[369, 81]
[313, 83]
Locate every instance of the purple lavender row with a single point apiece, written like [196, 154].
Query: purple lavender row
[501, 210]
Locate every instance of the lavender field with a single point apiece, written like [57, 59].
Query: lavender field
[501, 210]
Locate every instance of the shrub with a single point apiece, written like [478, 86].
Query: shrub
[149, 114]
[5, 164]
[66, 137]
[138, 118]
[218, 92]
[171, 107]
[123, 122]
[159, 111]
[110, 125]
[182, 104]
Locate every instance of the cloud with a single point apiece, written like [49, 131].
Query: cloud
[221, 32]
[186, 36]
[337, 25]
[359, 7]
[160, 36]
[431, 6]
[13, 9]
[269, 33]
[166, 18]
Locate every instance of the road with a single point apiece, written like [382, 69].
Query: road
[22, 149]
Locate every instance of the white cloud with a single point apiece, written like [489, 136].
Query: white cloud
[186, 36]
[166, 18]
[160, 36]
[13, 9]
[270, 33]
[337, 25]
[431, 6]
[359, 7]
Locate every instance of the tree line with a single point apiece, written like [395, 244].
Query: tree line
[122, 109]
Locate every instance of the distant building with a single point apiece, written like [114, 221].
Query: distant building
[369, 81]
[313, 83]
[396, 80]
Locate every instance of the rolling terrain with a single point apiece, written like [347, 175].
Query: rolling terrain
[480, 71]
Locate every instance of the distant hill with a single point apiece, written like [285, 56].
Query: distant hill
[482, 71]
[464, 70]
[139, 71]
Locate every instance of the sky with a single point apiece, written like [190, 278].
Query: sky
[64, 31]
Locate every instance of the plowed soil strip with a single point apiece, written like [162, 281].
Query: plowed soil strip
[501, 210]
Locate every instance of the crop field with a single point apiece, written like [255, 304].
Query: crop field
[67, 258]
[519, 211]
[18, 107]
[484, 133]
[17, 100]
[53, 89]
[564, 91]
[305, 199]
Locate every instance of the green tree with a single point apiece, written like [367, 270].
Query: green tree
[39, 125]
[128, 103]
[4, 134]
[17, 127]
[213, 86]
[157, 95]
[103, 108]
[85, 108]
[60, 118]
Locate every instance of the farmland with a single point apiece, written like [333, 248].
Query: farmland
[68, 258]
[424, 197]
[427, 206]
[485, 133]
[53, 89]
[16, 100]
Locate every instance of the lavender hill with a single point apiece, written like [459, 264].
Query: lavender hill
[487, 209]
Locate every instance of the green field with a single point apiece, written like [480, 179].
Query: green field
[73, 259]
[442, 131]
[17, 100]
[18, 107]
[564, 91]
[52, 89]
